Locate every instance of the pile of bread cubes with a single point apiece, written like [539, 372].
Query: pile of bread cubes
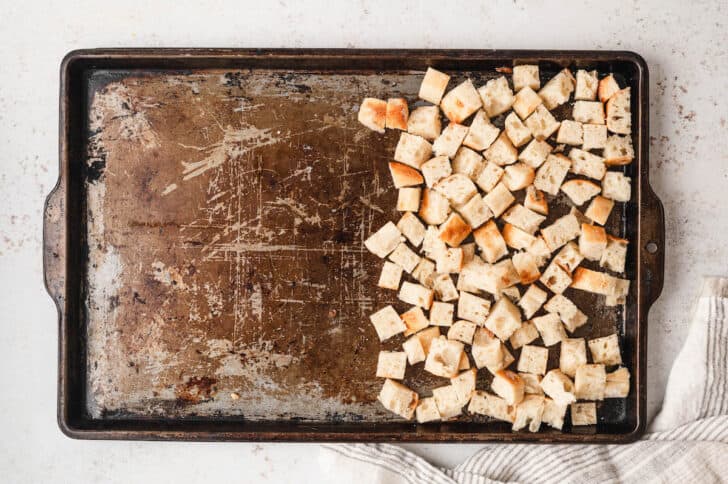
[493, 186]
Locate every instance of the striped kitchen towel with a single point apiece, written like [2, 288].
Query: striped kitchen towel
[686, 442]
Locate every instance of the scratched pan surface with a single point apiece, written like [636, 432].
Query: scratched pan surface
[204, 245]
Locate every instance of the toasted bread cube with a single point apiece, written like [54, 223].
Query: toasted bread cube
[467, 162]
[526, 102]
[414, 350]
[589, 112]
[411, 227]
[534, 359]
[529, 413]
[482, 133]
[425, 122]
[518, 176]
[384, 240]
[441, 314]
[583, 413]
[398, 399]
[447, 401]
[504, 318]
[461, 102]
[618, 150]
[587, 164]
[614, 254]
[559, 387]
[471, 275]
[526, 76]
[595, 136]
[586, 85]
[540, 251]
[552, 173]
[526, 267]
[570, 315]
[570, 133]
[433, 85]
[397, 114]
[457, 188]
[373, 114]
[592, 241]
[509, 386]
[427, 411]
[408, 199]
[434, 207]
[553, 414]
[436, 169]
[569, 257]
[580, 191]
[473, 308]
[427, 336]
[501, 152]
[557, 91]
[464, 385]
[542, 123]
[490, 241]
[550, 329]
[516, 238]
[432, 245]
[593, 281]
[617, 384]
[492, 406]
[391, 364]
[563, 229]
[416, 295]
[443, 359]
[489, 176]
[390, 277]
[412, 150]
[450, 261]
[573, 355]
[462, 331]
[599, 210]
[476, 212]
[607, 88]
[497, 96]
[532, 383]
[621, 290]
[530, 302]
[590, 382]
[450, 139]
[499, 199]
[617, 187]
[516, 131]
[489, 352]
[444, 287]
[387, 323]
[619, 115]
[535, 201]
[403, 175]
[414, 320]
[468, 252]
[454, 230]
[405, 257]
[535, 153]
[464, 361]
[555, 278]
[523, 218]
[606, 350]
[506, 275]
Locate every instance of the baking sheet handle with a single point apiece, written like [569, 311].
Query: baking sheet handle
[54, 245]
[652, 235]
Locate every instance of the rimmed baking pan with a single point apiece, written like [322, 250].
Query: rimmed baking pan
[204, 244]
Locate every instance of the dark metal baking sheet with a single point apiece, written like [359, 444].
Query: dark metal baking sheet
[204, 244]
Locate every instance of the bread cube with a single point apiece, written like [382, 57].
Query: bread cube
[414, 320]
[593, 281]
[526, 76]
[572, 356]
[555, 278]
[489, 176]
[441, 313]
[390, 277]
[553, 414]
[583, 413]
[391, 364]
[569, 257]
[518, 176]
[550, 328]
[599, 209]
[433, 85]
[427, 411]
[535, 153]
[408, 199]
[563, 229]
[552, 173]
[557, 91]
[535, 201]
[398, 399]
[387, 323]
[468, 251]
[457, 188]
[412, 150]
[606, 350]
[580, 191]
[462, 331]
[499, 199]
[509, 386]
[570, 133]
[559, 387]
[443, 359]
[434, 207]
[482, 133]
[534, 359]
[461, 102]
[488, 351]
[516, 131]
[595, 136]
[450, 139]
[570, 315]
[424, 272]
[501, 152]
[496, 96]
[529, 413]
[473, 308]
[432, 245]
[444, 287]
[504, 318]
[464, 385]
[467, 162]
[621, 290]
[530, 302]
[523, 218]
[447, 401]
[464, 361]
[590, 382]
[587, 83]
[619, 114]
[471, 275]
[526, 267]
[618, 150]
[397, 114]
[403, 175]
[405, 257]
[492, 406]
[373, 114]
[454, 230]
[592, 241]
[526, 102]
[416, 295]
[476, 212]
[436, 169]
[617, 187]
[425, 122]
[490, 241]
[427, 336]
[411, 227]
[540, 251]
[591, 112]
[384, 240]
[516, 238]
[614, 254]
[532, 383]
[414, 350]
[607, 88]
[587, 164]
[542, 123]
[617, 384]
[450, 261]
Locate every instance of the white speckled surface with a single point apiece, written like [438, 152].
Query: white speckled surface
[684, 44]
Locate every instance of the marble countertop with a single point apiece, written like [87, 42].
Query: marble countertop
[684, 44]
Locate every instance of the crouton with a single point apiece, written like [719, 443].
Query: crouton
[570, 133]
[461, 102]
[501, 152]
[373, 114]
[619, 115]
[590, 382]
[542, 123]
[535, 153]
[532, 383]
[412, 150]
[607, 87]
[516, 131]
[467, 162]
[411, 227]
[557, 91]
[496, 96]
[462, 331]
[555, 278]
[606, 350]
[408, 199]
[504, 318]
[390, 277]
[434, 207]
[464, 385]
[414, 320]
[391, 364]
[550, 328]
[443, 358]
[468, 251]
[433, 85]
[592, 241]
[432, 245]
[599, 210]
[580, 191]
[570, 315]
[499, 199]
[441, 314]
[563, 229]
[516, 238]
[526, 267]
[509, 386]
[427, 336]
[471, 278]
[436, 169]
[559, 387]
[525, 334]
[482, 133]
[530, 302]
[587, 164]
[454, 230]
[552, 173]
[403, 175]
[444, 287]
[506, 276]
[490, 241]
[586, 85]
[384, 240]
[398, 399]
[617, 187]
[535, 201]
[492, 406]
[464, 361]
[397, 114]
[588, 112]
[618, 150]
[617, 384]
[595, 136]
[457, 188]
[416, 295]
[523, 218]
[621, 290]
[593, 281]
[425, 122]
[414, 350]
[529, 413]
[489, 176]
[450, 139]
[553, 414]
[533, 359]
[526, 76]
[473, 308]
[583, 413]
[540, 251]
[572, 356]
[476, 212]
[404, 257]
[489, 352]
[526, 102]
[427, 411]
[518, 176]
[450, 261]
[387, 323]
[569, 257]
[447, 401]
[614, 254]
